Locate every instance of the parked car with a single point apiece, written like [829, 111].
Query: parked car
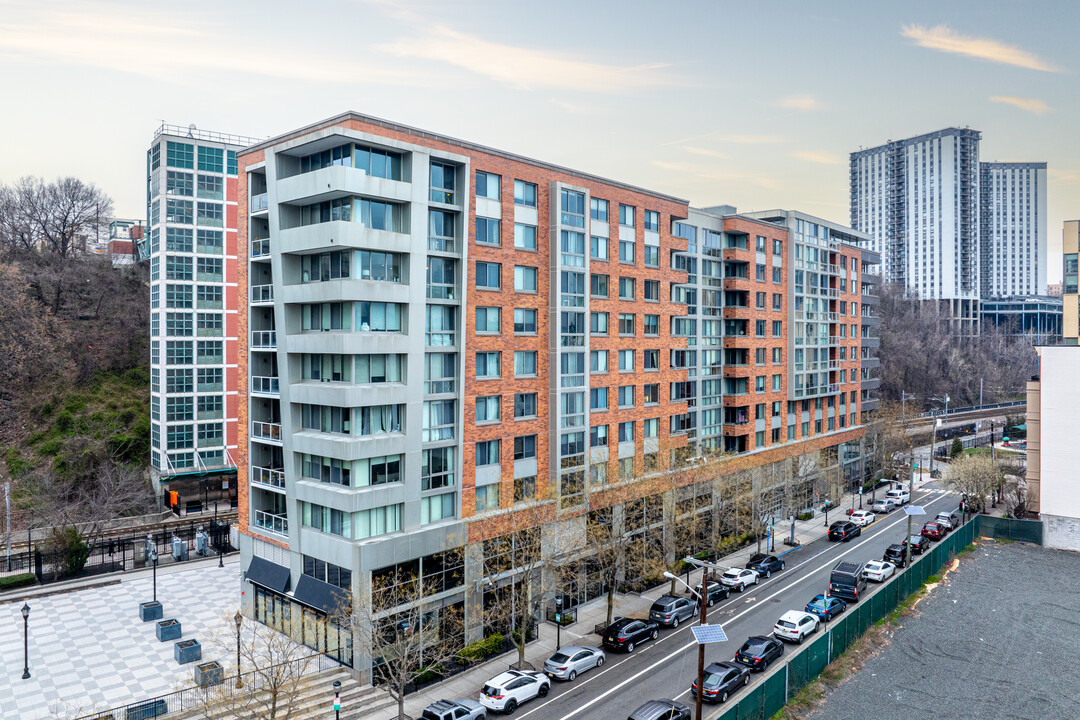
[933, 530]
[758, 651]
[878, 570]
[663, 709]
[720, 681]
[764, 564]
[919, 544]
[739, 578]
[862, 518]
[795, 625]
[671, 610]
[627, 633]
[949, 519]
[507, 690]
[453, 710]
[847, 581]
[894, 554]
[883, 505]
[826, 607]
[717, 592]
[572, 660]
[899, 496]
[844, 530]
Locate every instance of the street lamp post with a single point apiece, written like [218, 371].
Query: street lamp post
[558, 623]
[26, 641]
[239, 620]
[337, 700]
[153, 562]
[704, 621]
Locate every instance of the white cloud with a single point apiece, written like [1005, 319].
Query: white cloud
[941, 37]
[1031, 105]
[704, 151]
[799, 102]
[711, 172]
[524, 68]
[818, 156]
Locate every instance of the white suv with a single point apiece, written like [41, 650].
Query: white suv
[738, 578]
[899, 497]
[507, 690]
[862, 517]
[795, 625]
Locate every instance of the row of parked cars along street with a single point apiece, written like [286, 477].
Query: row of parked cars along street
[508, 690]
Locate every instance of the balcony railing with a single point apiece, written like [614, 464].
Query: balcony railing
[262, 294]
[278, 524]
[264, 339]
[259, 203]
[264, 384]
[260, 248]
[266, 431]
[274, 477]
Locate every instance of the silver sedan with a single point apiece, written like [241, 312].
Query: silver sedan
[572, 660]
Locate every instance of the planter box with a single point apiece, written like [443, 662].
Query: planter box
[209, 673]
[150, 611]
[186, 651]
[168, 630]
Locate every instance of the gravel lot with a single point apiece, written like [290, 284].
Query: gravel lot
[999, 639]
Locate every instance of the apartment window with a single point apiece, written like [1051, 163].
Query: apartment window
[524, 237]
[626, 396]
[211, 159]
[178, 239]
[524, 279]
[627, 288]
[760, 300]
[371, 265]
[652, 291]
[777, 247]
[209, 269]
[524, 405]
[598, 398]
[598, 286]
[776, 276]
[487, 185]
[626, 361]
[651, 359]
[438, 420]
[487, 453]
[442, 183]
[626, 432]
[178, 409]
[487, 231]
[776, 356]
[178, 381]
[524, 447]
[759, 328]
[598, 247]
[524, 321]
[760, 273]
[598, 361]
[487, 320]
[759, 355]
[761, 243]
[651, 325]
[487, 364]
[524, 363]
[487, 497]
[776, 328]
[437, 507]
[651, 428]
[652, 256]
[379, 317]
[626, 323]
[759, 385]
[177, 296]
[777, 301]
[626, 215]
[179, 211]
[179, 183]
[572, 206]
[180, 155]
[487, 275]
[369, 368]
[598, 323]
[179, 325]
[524, 193]
[598, 436]
[488, 408]
[652, 220]
[650, 394]
[598, 209]
[573, 248]
[626, 252]
[525, 489]
[776, 380]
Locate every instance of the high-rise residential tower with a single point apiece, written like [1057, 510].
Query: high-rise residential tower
[190, 243]
[1012, 198]
[449, 343]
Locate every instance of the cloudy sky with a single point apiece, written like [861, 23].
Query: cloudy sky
[750, 104]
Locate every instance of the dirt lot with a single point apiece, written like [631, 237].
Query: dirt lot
[1000, 638]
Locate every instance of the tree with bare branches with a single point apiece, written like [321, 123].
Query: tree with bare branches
[62, 217]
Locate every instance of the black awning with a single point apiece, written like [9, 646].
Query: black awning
[324, 597]
[269, 575]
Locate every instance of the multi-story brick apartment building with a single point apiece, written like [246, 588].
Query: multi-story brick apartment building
[190, 243]
[447, 342]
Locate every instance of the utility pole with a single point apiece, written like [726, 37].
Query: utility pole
[933, 439]
[7, 527]
[903, 406]
[980, 391]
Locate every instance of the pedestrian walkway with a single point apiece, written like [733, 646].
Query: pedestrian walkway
[88, 650]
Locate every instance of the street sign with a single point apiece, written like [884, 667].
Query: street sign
[914, 510]
[916, 465]
[558, 617]
[705, 634]
[337, 703]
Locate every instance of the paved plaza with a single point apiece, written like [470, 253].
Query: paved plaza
[90, 651]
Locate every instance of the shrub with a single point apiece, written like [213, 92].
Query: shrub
[70, 546]
[957, 448]
[481, 649]
[9, 582]
[435, 672]
[805, 516]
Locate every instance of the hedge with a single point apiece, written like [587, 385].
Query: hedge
[9, 582]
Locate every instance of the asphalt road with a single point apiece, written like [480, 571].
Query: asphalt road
[665, 668]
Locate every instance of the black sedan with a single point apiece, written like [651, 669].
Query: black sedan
[765, 565]
[894, 554]
[720, 681]
[758, 651]
[717, 592]
[844, 530]
[627, 633]
[919, 544]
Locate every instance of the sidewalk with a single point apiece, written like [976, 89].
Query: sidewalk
[469, 683]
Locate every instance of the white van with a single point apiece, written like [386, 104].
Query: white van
[900, 497]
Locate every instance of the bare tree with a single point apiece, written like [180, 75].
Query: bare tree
[59, 217]
[887, 442]
[514, 580]
[978, 476]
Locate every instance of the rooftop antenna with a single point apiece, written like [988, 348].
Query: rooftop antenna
[191, 130]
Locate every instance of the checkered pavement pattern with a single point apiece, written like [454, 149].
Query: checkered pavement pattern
[90, 651]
